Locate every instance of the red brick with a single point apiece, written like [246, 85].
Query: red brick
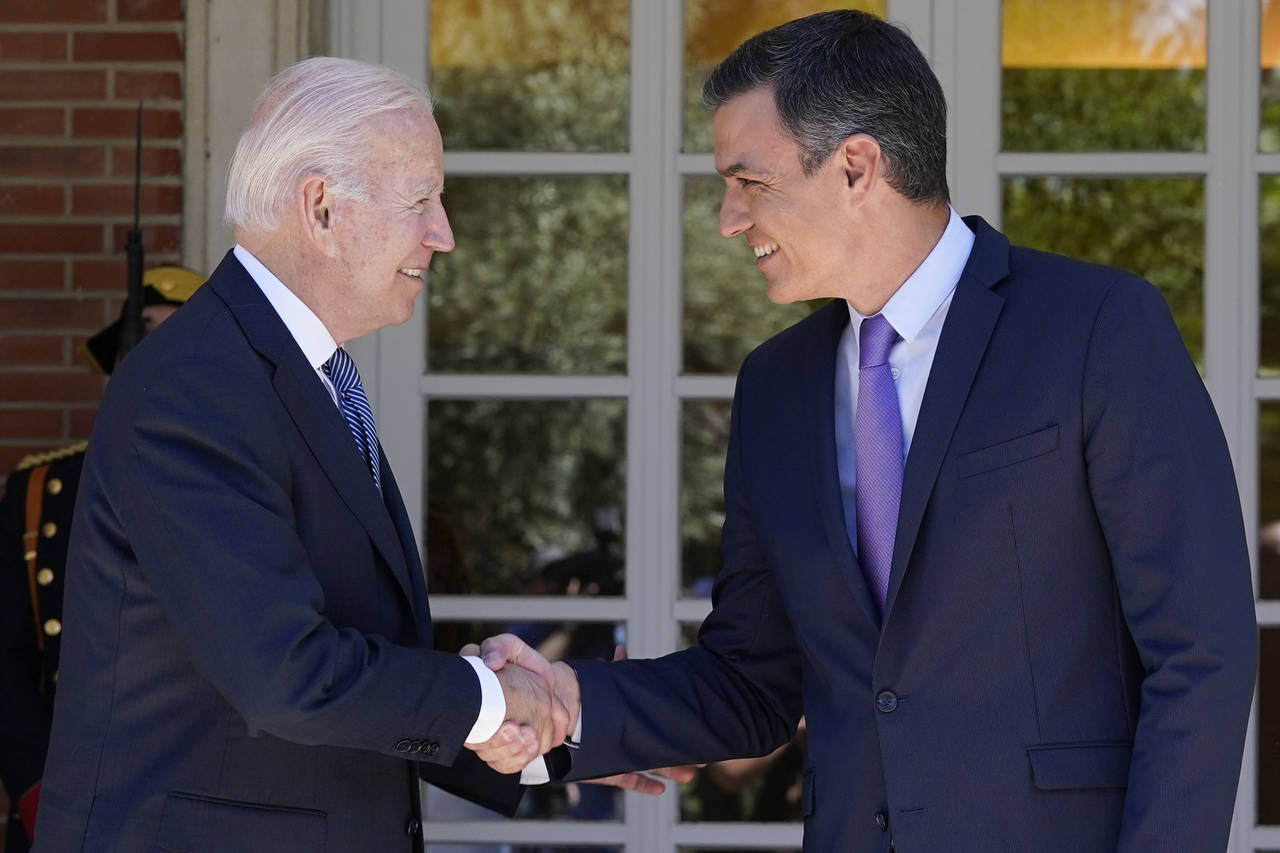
[32, 201]
[33, 122]
[37, 12]
[126, 47]
[149, 10]
[31, 423]
[52, 85]
[33, 312]
[155, 238]
[33, 47]
[99, 275]
[51, 386]
[82, 422]
[43, 350]
[156, 162]
[32, 275]
[55, 238]
[118, 200]
[30, 161]
[123, 123]
[149, 84]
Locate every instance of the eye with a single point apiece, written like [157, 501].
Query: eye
[747, 183]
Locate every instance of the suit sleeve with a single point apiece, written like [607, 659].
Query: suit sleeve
[208, 507]
[1162, 484]
[736, 694]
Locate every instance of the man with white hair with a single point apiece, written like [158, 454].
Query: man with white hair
[247, 663]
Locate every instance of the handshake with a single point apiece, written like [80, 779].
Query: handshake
[543, 706]
[542, 702]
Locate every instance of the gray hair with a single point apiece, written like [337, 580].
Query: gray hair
[838, 73]
[314, 117]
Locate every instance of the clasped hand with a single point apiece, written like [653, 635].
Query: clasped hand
[547, 703]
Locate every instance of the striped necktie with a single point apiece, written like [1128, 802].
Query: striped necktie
[342, 372]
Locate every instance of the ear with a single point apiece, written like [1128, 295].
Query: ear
[316, 202]
[861, 162]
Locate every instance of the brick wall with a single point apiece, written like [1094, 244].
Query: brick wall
[71, 75]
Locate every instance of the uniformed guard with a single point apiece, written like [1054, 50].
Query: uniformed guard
[35, 520]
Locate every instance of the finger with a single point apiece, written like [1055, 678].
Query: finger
[508, 648]
[470, 650]
[684, 773]
[619, 652]
[637, 782]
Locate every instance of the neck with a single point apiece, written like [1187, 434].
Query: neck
[904, 235]
[277, 253]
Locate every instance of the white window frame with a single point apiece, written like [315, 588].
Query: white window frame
[962, 40]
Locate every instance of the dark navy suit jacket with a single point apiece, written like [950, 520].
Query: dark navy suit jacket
[246, 662]
[1066, 658]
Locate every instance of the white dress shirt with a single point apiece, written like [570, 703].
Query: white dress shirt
[916, 311]
[318, 346]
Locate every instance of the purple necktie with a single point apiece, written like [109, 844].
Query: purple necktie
[877, 442]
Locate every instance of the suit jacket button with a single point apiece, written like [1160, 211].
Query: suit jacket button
[433, 748]
[404, 745]
[413, 827]
[882, 821]
[886, 702]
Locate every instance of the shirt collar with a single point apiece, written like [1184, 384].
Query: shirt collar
[307, 329]
[928, 287]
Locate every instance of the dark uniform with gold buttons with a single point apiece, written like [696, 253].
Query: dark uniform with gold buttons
[35, 519]
[35, 523]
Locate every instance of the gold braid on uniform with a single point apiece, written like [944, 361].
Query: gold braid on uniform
[47, 456]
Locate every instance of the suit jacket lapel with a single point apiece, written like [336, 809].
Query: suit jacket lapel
[318, 419]
[409, 547]
[970, 321]
[832, 321]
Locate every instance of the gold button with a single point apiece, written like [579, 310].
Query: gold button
[54, 486]
[44, 577]
[52, 627]
[49, 530]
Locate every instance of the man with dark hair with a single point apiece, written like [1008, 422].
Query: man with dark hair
[981, 523]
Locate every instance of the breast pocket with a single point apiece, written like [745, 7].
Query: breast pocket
[197, 824]
[1009, 452]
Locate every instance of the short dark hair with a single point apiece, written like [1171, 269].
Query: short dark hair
[838, 73]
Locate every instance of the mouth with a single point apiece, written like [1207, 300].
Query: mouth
[420, 274]
[763, 251]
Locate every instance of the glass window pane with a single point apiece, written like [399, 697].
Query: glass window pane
[764, 790]
[1268, 722]
[1269, 262]
[704, 437]
[713, 28]
[531, 75]
[1269, 501]
[1269, 89]
[1103, 75]
[1153, 227]
[726, 312]
[575, 641]
[514, 488]
[538, 281]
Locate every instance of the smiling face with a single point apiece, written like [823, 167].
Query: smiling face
[382, 246]
[798, 224]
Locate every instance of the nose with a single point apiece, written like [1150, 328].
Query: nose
[734, 219]
[438, 236]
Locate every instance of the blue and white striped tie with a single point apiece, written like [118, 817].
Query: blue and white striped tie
[342, 372]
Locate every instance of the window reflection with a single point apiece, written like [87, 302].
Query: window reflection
[538, 280]
[531, 75]
[1103, 75]
[513, 488]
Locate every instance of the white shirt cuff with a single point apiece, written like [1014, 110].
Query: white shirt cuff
[493, 706]
[535, 772]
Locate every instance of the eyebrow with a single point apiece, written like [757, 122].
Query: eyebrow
[736, 168]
